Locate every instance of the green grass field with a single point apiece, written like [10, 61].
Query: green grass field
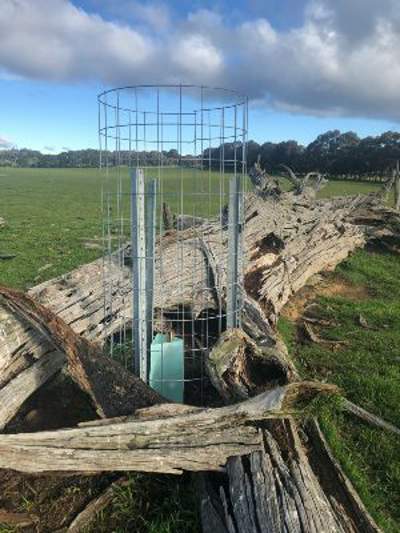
[48, 213]
[51, 213]
[339, 188]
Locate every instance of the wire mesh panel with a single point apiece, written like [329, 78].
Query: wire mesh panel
[175, 165]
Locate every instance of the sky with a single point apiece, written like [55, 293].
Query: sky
[306, 65]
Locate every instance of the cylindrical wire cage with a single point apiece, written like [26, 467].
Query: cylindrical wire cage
[174, 158]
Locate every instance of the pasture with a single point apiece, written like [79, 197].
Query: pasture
[54, 216]
[55, 221]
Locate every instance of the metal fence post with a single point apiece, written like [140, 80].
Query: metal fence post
[138, 269]
[232, 307]
[143, 226]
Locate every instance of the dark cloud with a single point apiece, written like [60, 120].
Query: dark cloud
[355, 19]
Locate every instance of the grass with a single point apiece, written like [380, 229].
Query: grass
[147, 504]
[51, 213]
[367, 369]
[152, 504]
[339, 187]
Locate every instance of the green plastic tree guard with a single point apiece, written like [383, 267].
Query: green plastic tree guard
[167, 367]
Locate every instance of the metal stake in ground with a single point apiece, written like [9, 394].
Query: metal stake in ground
[142, 238]
[233, 305]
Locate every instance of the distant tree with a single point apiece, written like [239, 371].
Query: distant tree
[331, 152]
[253, 151]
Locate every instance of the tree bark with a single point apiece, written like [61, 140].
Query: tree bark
[282, 487]
[239, 368]
[112, 389]
[83, 520]
[369, 418]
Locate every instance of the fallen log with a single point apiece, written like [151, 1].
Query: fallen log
[239, 368]
[287, 240]
[336, 483]
[286, 485]
[170, 438]
[19, 389]
[200, 440]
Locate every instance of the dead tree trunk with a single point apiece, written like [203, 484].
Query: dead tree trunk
[291, 483]
[113, 390]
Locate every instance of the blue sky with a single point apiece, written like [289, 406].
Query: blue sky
[307, 65]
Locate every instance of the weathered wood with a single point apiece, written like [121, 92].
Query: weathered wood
[26, 383]
[239, 368]
[286, 241]
[306, 238]
[200, 440]
[113, 390]
[168, 217]
[147, 413]
[369, 418]
[184, 222]
[335, 482]
[301, 185]
[279, 489]
[19, 520]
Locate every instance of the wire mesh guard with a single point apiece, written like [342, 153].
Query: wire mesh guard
[174, 159]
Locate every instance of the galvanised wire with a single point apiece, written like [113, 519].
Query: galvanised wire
[192, 141]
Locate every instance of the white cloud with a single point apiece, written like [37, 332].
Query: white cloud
[258, 34]
[197, 57]
[343, 59]
[52, 39]
[153, 14]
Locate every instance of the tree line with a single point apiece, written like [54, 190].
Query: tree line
[332, 153]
